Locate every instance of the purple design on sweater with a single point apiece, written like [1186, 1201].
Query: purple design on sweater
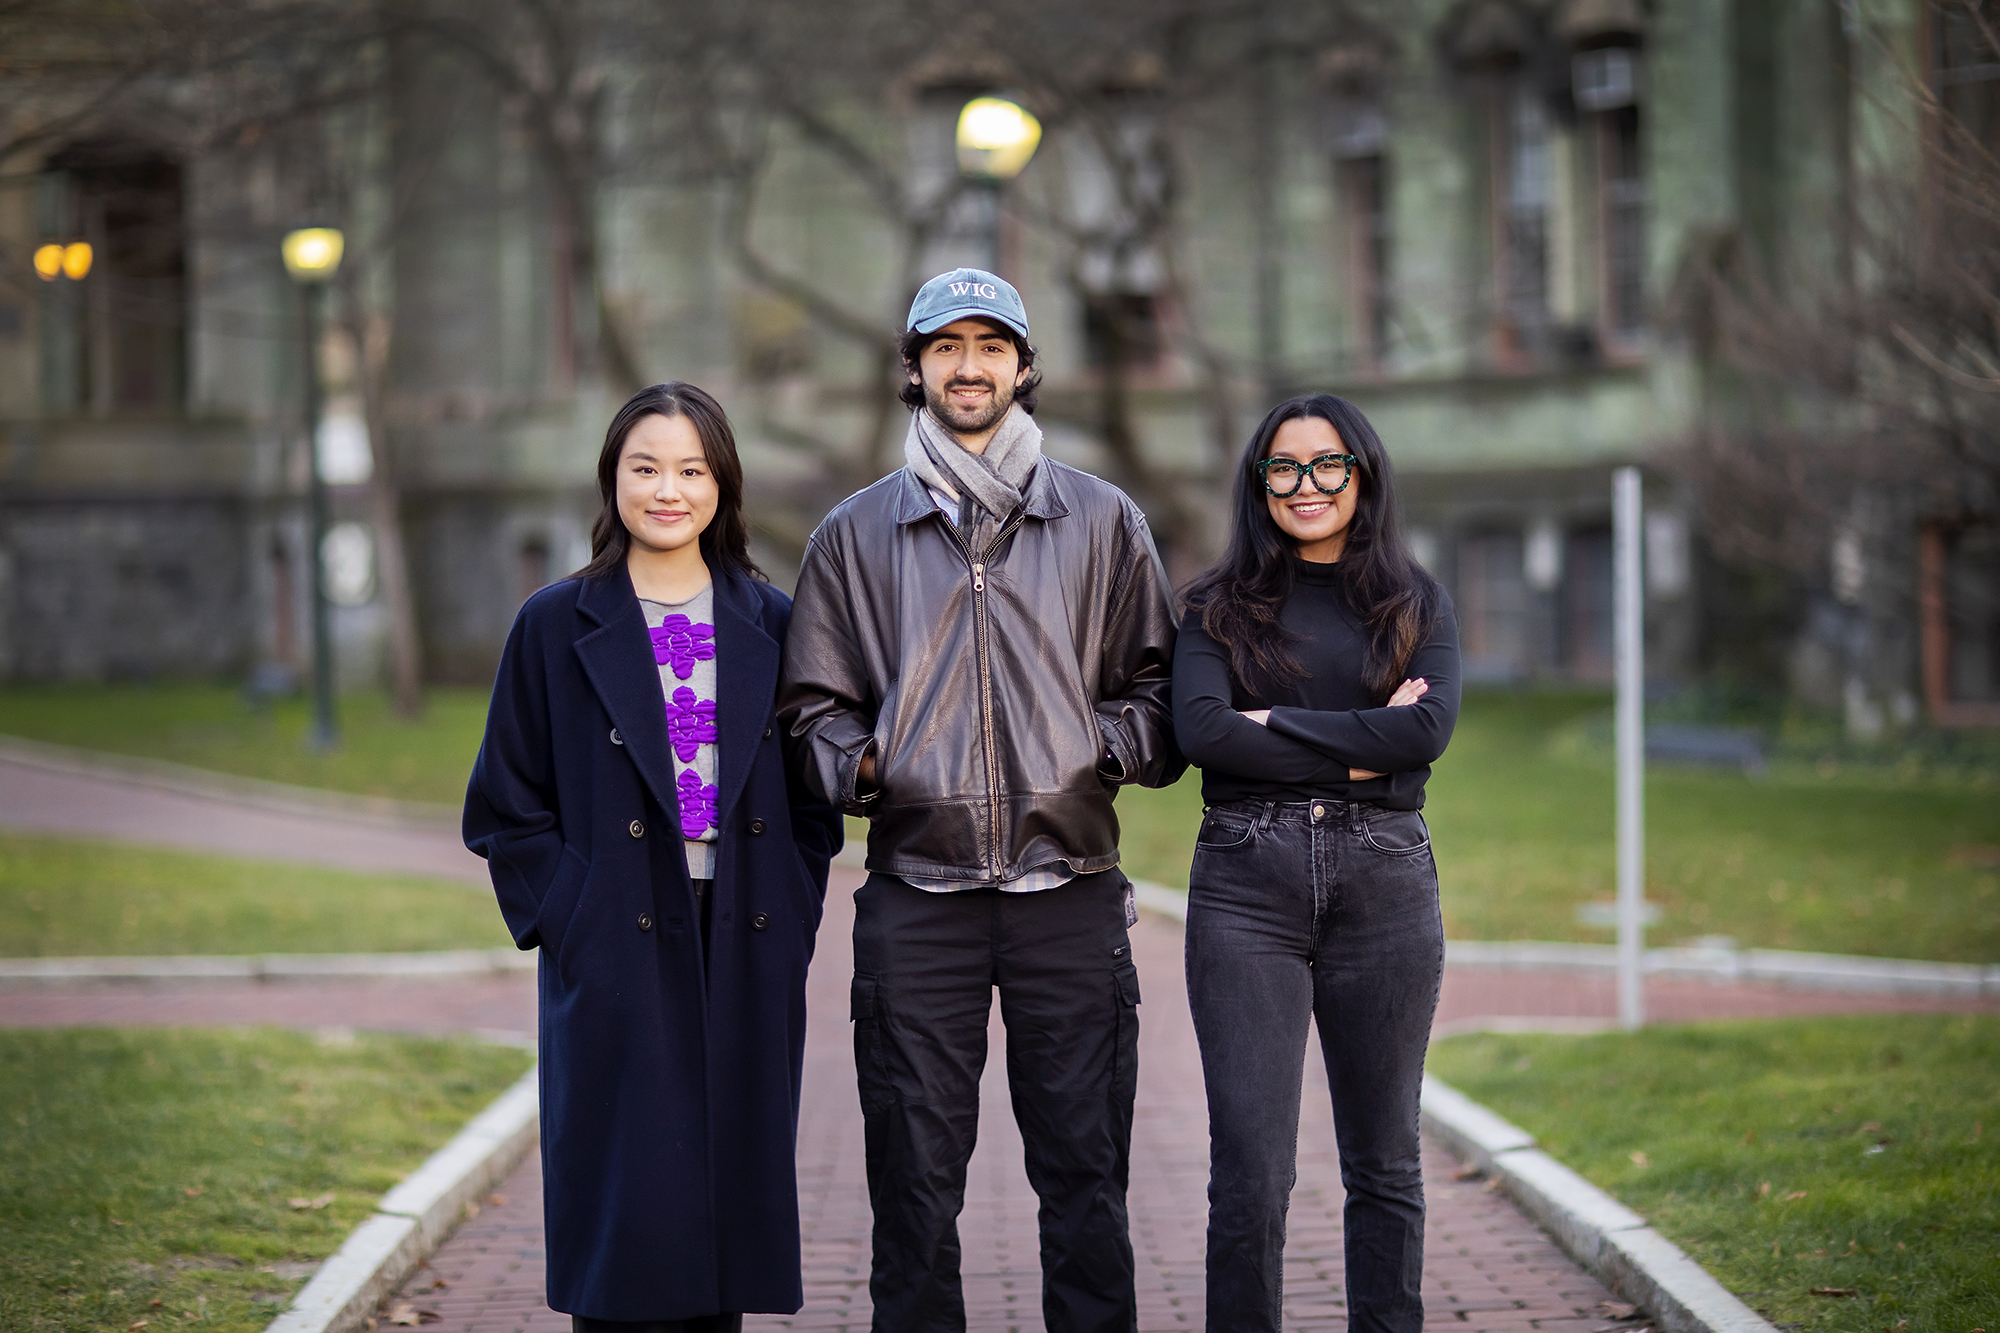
[698, 813]
[680, 643]
[690, 723]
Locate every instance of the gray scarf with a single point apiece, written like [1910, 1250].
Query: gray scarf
[994, 480]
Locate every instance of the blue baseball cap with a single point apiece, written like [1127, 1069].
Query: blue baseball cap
[967, 293]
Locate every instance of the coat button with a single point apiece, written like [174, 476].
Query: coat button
[616, 739]
[636, 829]
[756, 827]
[767, 733]
[760, 922]
[645, 921]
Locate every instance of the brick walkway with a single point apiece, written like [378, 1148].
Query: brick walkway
[1488, 1266]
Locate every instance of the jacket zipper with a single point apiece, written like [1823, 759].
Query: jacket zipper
[981, 632]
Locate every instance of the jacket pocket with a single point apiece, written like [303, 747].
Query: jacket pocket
[559, 901]
[1396, 832]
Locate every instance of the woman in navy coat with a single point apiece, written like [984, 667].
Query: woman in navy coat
[672, 1001]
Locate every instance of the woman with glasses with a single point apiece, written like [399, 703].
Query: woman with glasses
[1315, 680]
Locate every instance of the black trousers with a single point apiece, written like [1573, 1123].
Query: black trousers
[925, 968]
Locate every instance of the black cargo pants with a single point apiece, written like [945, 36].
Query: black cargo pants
[925, 966]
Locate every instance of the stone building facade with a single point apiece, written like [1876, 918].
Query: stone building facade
[1472, 223]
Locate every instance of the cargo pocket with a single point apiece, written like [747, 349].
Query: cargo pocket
[1125, 1006]
[873, 1081]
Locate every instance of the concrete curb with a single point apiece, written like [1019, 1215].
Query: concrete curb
[207, 785]
[1783, 967]
[1607, 1238]
[414, 1218]
[265, 967]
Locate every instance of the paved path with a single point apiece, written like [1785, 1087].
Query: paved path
[37, 797]
[1488, 1267]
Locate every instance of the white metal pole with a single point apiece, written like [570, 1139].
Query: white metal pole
[1630, 615]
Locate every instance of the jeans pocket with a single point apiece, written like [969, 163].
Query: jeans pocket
[1224, 830]
[1396, 832]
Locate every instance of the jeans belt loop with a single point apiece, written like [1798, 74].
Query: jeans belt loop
[1267, 817]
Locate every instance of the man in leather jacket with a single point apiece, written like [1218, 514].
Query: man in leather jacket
[978, 656]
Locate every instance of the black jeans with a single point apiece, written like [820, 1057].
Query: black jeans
[925, 967]
[1325, 910]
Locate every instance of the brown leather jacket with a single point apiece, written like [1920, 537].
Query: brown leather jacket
[1005, 695]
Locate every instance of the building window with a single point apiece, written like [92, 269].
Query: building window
[1122, 328]
[1588, 649]
[1605, 82]
[1364, 193]
[1959, 569]
[1966, 42]
[1522, 243]
[1493, 606]
[115, 341]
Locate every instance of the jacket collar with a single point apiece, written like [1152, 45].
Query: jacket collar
[618, 658]
[1043, 498]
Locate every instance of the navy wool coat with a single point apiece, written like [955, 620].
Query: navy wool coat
[670, 1082]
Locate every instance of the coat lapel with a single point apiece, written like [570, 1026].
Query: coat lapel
[746, 683]
[618, 659]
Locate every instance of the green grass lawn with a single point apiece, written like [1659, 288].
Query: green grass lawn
[1882, 861]
[61, 897]
[209, 726]
[1891, 860]
[148, 1174]
[1846, 1154]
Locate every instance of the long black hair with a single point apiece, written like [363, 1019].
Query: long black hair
[725, 542]
[1241, 595]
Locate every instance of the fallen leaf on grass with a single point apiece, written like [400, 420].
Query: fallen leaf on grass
[1614, 1310]
[317, 1202]
[116, 1223]
[1835, 1291]
[1795, 1195]
[1640, 1159]
[155, 1303]
[194, 1191]
[137, 1324]
[1764, 1190]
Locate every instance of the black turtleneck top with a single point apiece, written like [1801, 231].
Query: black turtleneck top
[1325, 724]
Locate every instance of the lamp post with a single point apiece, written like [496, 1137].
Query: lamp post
[995, 139]
[312, 256]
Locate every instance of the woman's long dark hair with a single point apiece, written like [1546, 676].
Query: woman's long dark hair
[725, 542]
[1241, 595]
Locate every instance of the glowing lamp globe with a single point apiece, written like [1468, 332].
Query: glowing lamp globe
[312, 254]
[996, 138]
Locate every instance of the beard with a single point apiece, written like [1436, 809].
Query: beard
[964, 420]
